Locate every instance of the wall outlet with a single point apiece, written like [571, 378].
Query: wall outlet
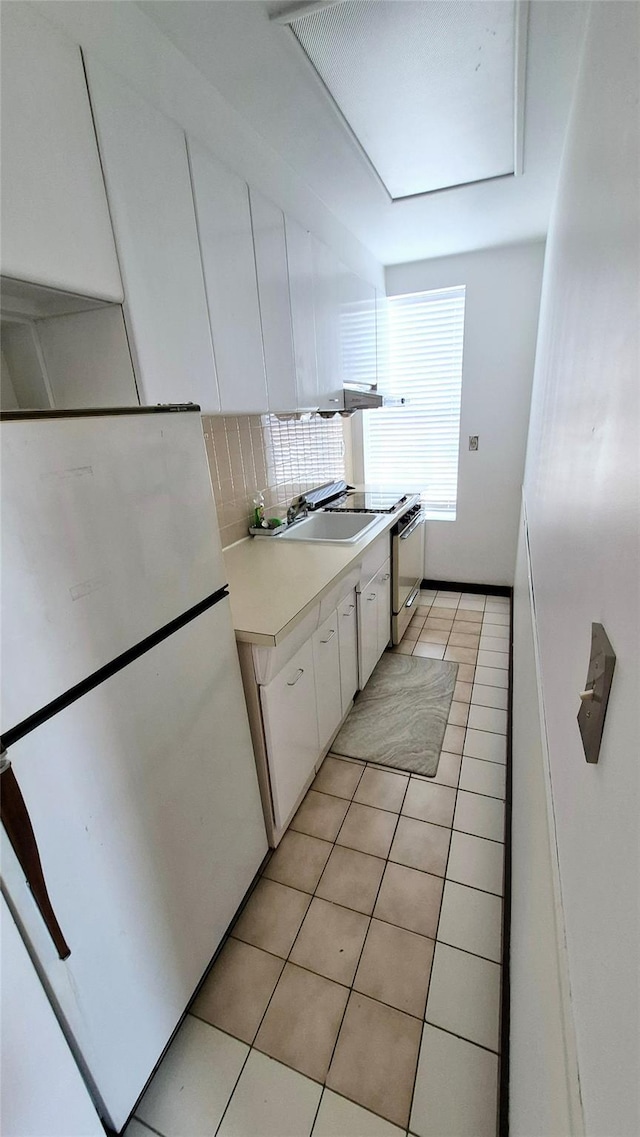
[473, 441]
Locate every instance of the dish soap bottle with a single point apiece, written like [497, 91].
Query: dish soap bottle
[258, 511]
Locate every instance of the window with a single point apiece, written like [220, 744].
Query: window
[415, 447]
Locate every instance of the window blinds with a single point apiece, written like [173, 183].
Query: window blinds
[415, 446]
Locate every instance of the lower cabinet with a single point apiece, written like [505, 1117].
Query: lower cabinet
[326, 657]
[291, 730]
[348, 645]
[374, 621]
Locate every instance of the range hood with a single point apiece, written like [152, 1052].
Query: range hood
[357, 399]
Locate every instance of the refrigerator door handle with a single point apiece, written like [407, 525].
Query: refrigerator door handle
[17, 823]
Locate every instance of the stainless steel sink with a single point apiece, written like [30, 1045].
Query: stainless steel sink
[330, 528]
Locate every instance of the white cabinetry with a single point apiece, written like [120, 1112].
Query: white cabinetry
[326, 293]
[226, 243]
[301, 290]
[326, 656]
[348, 643]
[374, 620]
[56, 229]
[291, 731]
[275, 308]
[358, 349]
[146, 170]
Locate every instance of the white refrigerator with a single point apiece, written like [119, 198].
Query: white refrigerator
[132, 822]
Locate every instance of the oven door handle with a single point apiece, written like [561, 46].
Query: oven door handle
[419, 520]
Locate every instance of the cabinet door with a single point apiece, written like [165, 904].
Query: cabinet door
[300, 262]
[291, 731]
[357, 330]
[144, 156]
[383, 600]
[348, 643]
[226, 243]
[326, 298]
[367, 631]
[275, 307]
[326, 658]
[56, 228]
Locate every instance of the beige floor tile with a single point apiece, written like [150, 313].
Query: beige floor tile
[423, 609]
[302, 1021]
[466, 672]
[493, 643]
[410, 899]
[483, 744]
[461, 654]
[456, 1092]
[271, 1100]
[235, 994]
[417, 622]
[395, 967]
[439, 623]
[497, 604]
[320, 815]
[448, 593]
[471, 606]
[298, 861]
[272, 917]
[433, 636]
[471, 920]
[375, 1059]
[463, 639]
[330, 941]
[351, 879]
[453, 740]
[411, 633]
[464, 996]
[480, 815]
[491, 676]
[382, 789]
[428, 801]
[439, 612]
[420, 845]
[467, 626]
[338, 778]
[429, 651]
[338, 1117]
[462, 692]
[448, 770]
[499, 659]
[183, 1097]
[476, 862]
[471, 615]
[497, 619]
[446, 601]
[488, 718]
[458, 714]
[405, 647]
[368, 830]
[484, 696]
[479, 777]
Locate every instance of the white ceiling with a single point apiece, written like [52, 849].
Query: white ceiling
[261, 70]
[428, 89]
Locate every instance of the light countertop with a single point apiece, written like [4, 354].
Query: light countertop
[274, 582]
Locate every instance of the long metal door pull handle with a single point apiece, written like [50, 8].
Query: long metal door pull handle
[294, 681]
[329, 637]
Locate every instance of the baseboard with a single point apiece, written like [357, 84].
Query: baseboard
[464, 586]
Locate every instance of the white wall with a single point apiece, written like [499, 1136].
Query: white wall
[582, 500]
[132, 45]
[501, 319]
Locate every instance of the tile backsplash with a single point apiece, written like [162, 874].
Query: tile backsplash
[281, 458]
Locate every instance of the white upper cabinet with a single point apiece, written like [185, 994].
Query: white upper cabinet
[146, 168]
[326, 287]
[358, 349]
[226, 243]
[300, 261]
[56, 229]
[382, 338]
[275, 307]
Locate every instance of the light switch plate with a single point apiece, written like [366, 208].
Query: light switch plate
[592, 713]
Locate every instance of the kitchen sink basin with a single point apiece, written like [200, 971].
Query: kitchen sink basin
[332, 528]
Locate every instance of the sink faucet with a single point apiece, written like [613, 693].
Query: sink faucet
[298, 506]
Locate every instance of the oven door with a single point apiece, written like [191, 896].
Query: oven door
[408, 571]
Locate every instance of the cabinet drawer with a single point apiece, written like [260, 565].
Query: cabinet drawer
[291, 731]
[326, 657]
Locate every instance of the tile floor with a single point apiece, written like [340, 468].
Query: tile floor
[359, 992]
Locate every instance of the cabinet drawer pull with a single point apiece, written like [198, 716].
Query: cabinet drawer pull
[372, 597]
[294, 681]
[350, 610]
[329, 637]
[387, 576]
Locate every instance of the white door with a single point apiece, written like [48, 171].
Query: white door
[326, 658]
[144, 156]
[56, 228]
[275, 305]
[226, 243]
[108, 532]
[300, 262]
[367, 631]
[348, 643]
[291, 731]
[144, 800]
[383, 591]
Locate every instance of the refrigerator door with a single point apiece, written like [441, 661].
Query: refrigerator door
[109, 531]
[144, 800]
